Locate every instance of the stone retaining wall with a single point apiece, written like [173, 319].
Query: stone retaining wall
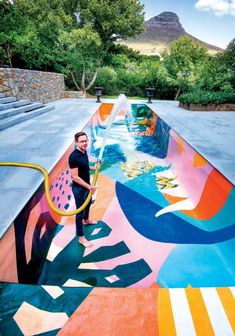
[32, 85]
[74, 94]
[208, 107]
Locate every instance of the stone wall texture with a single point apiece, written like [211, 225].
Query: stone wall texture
[74, 94]
[208, 107]
[32, 85]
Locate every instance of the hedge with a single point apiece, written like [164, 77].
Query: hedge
[204, 97]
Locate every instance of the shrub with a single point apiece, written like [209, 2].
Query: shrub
[204, 97]
[107, 78]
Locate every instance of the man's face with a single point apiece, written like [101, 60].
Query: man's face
[82, 143]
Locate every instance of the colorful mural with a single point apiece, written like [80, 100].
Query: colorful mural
[165, 225]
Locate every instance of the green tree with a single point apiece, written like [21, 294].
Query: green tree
[81, 56]
[107, 78]
[30, 30]
[183, 61]
[112, 20]
[218, 72]
[184, 54]
[12, 27]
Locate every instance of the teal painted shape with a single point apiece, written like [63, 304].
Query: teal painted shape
[128, 274]
[13, 296]
[104, 232]
[199, 266]
[145, 185]
[65, 265]
[107, 252]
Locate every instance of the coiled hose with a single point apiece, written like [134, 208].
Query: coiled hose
[47, 186]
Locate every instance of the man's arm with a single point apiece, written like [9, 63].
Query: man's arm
[80, 181]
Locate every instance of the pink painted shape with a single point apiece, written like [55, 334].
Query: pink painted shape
[64, 236]
[191, 178]
[112, 278]
[154, 253]
[43, 230]
[95, 231]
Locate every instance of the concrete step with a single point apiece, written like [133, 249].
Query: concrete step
[7, 100]
[19, 118]
[18, 110]
[14, 104]
[2, 95]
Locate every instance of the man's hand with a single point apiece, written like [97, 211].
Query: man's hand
[92, 189]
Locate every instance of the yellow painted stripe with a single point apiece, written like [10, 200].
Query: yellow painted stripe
[199, 313]
[166, 325]
[228, 302]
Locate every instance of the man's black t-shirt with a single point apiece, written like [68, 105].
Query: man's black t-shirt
[80, 160]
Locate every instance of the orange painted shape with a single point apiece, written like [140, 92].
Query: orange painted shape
[105, 193]
[173, 199]
[199, 160]
[115, 311]
[201, 320]
[180, 144]
[155, 285]
[8, 267]
[68, 220]
[166, 324]
[228, 302]
[105, 111]
[214, 196]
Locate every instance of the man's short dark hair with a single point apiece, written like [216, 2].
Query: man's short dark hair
[78, 134]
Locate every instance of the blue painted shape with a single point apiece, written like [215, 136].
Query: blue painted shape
[199, 266]
[140, 212]
[146, 186]
[156, 144]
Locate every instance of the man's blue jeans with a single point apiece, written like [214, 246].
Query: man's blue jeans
[80, 195]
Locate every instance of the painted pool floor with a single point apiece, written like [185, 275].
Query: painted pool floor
[42, 140]
[80, 291]
[55, 310]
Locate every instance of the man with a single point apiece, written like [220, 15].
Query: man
[80, 174]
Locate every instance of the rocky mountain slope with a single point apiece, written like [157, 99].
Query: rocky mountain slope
[159, 32]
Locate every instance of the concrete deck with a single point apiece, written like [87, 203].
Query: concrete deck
[44, 139]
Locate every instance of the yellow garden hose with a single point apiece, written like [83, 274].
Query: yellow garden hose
[47, 186]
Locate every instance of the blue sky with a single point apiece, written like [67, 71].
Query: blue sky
[212, 21]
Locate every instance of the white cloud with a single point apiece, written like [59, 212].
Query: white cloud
[219, 7]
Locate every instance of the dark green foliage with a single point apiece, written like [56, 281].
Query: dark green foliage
[203, 97]
[112, 19]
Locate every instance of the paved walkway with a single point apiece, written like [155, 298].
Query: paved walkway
[44, 139]
[41, 140]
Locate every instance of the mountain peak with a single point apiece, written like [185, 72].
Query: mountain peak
[159, 32]
[166, 24]
[163, 18]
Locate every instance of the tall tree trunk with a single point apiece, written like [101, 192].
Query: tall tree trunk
[176, 96]
[9, 56]
[92, 81]
[83, 88]
[83, 78]
[74, 80]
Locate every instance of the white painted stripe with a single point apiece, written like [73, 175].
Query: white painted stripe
[233, 291]
[87, 266]
[75, 283]
[181, 312]
[216, 312]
